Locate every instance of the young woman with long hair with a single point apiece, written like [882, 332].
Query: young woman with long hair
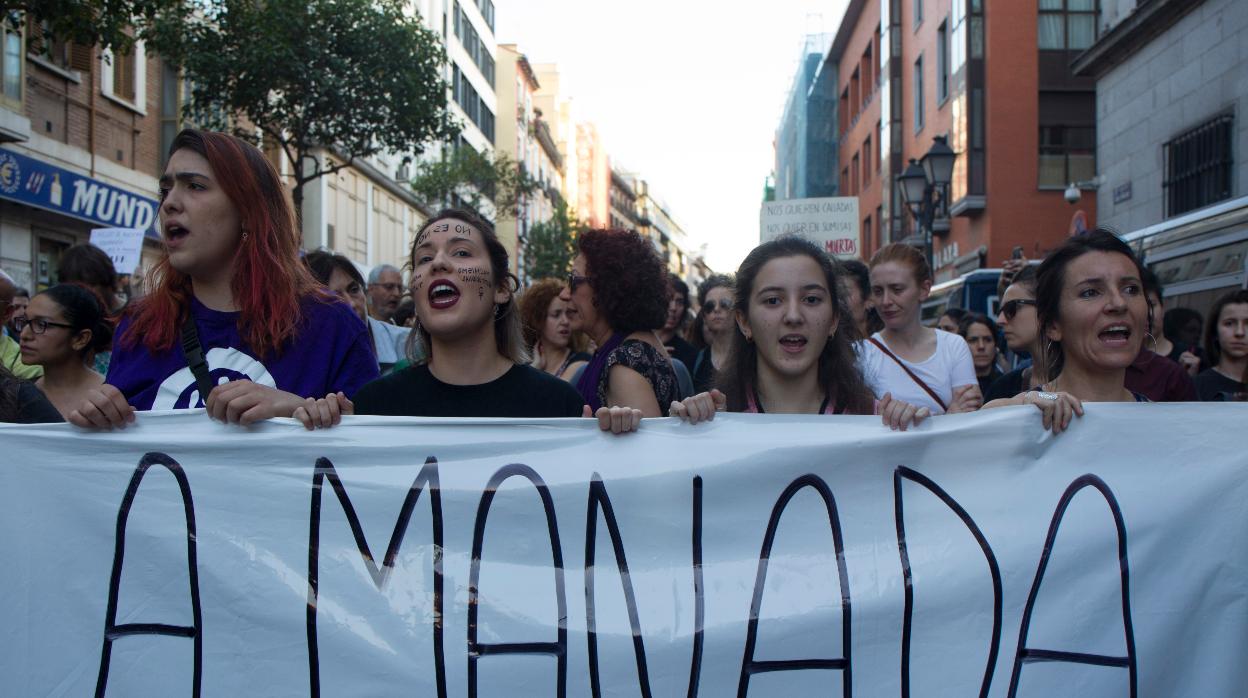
[272, 338]
[64, 328]
[792, 348]
[917, 364]
[547, 325]
[475, 364]
[1226, 345]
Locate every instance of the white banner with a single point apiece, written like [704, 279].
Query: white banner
[831, 222]
[757, 555]
[122, 245]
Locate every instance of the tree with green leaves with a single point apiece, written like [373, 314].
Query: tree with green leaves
[110, 24]
[354, 77]
[468, 178]
[551, 245]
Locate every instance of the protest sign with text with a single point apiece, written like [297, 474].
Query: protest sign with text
[756, 555]
[831, 223]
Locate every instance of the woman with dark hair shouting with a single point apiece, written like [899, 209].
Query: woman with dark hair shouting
[235, 322]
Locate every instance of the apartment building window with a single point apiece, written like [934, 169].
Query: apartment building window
[845, 182]
[879, 226]
[866, 163]
[1066, 25]
[879, 149]
[124, 76]
[1067, 154]
[473, 45]
[12, 61]
[918, 12]
[942, 62]
[844, 118]
[468, 99]
[487, 11]
[1198, 166]
[853, 173]
[918, 95]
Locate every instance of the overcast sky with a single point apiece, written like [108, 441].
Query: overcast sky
[687, 93]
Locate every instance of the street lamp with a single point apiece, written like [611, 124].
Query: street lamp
[919, 184]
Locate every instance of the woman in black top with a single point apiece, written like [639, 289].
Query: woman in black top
[1226, 341]
[1020, 326]
[22, 403]
[980, 333]
[476, 365]
[714, 341]
[618, 288]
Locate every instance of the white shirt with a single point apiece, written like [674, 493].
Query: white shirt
[948, 367]
[390, 342]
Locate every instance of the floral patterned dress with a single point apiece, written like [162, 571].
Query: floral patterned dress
[650, 363]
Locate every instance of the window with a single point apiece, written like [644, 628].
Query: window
[879, 226]
[845, 182]
[123, 77]
[472, 43]
[855, 92]
[1067, 155]
[942, 62]
[1066, 25]
[12, 59]
[475, 108]
[879, 149]
[1198, 166]
[866, 163]
[918, 95]
[853, 173]
[844, 117]
[918, 12]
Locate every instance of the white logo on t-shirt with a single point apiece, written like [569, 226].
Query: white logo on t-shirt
[179, 391]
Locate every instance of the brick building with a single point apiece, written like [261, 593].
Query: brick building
[996, 82]
[82, 137]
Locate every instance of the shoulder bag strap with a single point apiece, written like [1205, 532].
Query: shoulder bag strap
[913, 377]
[195, 357]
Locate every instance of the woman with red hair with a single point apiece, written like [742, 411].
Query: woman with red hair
[230, 289]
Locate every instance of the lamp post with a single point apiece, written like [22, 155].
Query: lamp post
[920, 183]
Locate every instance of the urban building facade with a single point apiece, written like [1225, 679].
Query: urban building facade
[623, 200]
[82, 137]
[1171, 98]
[995, 82]
[527, 139]
[806, 139]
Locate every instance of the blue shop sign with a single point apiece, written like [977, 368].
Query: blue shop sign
[39, 184]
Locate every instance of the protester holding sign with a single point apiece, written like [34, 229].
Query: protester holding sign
[1226, 341]
[792, 346]
[476, 365]
[618, 289]
[234, 322]
[63, 328]
[919, 365]
[1094, 317]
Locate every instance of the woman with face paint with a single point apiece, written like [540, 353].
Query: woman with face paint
[475, 363]
[792, 344]
[272, 339]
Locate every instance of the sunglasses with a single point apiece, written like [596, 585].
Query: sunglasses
[1009, 310]
[722, 305]
[575, 280]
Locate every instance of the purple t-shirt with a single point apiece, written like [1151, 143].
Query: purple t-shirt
[330, 352]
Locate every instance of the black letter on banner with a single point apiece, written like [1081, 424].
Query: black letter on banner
[902, 472]
[749, 666]
[112, 631]
[1027, 655]
[427, 477]
[559, 648]
[598, 497]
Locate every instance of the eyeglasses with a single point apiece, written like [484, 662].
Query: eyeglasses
[1010, 309]
[575, 280]
[723, 304]
[37, 325]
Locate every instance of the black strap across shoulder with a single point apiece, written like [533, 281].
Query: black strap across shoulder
[195, 358]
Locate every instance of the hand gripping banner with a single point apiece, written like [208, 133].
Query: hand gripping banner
[757, 555]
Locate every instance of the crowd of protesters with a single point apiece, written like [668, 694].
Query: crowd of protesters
[238, 321]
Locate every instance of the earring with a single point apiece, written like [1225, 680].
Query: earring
[244, 236]
[1153, 340]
